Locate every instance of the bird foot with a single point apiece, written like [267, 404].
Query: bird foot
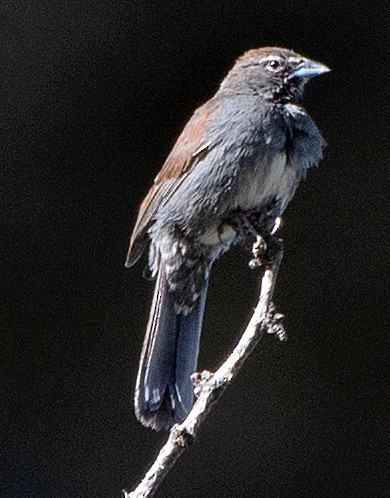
[272, 246]
[266, 249]
[259, 249]
[256, 230]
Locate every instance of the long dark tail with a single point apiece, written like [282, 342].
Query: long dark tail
[164, 390]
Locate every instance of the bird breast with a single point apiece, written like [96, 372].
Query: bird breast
[271, 179]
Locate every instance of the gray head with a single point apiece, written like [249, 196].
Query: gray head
[272, 72]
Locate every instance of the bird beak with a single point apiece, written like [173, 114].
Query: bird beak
[308, 68]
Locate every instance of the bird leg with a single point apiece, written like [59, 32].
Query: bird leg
[266, 247]
[256, 230]
[259, 249]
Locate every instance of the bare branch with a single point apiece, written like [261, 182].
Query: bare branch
[210, 386]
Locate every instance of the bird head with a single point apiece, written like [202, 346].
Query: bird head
[273, 73]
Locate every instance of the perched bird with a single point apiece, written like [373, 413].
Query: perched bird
[242, 152]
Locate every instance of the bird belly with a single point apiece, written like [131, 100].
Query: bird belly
[276, 179]
[273, 179]
[218, 235]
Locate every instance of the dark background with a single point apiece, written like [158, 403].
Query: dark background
[92, 97]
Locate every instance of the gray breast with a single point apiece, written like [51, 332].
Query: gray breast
[304, 144]
[260, 156]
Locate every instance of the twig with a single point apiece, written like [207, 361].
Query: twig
[210, 386]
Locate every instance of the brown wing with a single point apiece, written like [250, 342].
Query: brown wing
[191, 144]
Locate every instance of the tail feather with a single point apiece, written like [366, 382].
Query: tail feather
[164, 391]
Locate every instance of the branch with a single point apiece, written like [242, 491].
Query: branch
[210, 386]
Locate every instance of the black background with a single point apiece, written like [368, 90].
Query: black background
[92, 97]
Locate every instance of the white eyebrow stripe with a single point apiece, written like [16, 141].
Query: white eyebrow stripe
[267, 58]
[271, 58]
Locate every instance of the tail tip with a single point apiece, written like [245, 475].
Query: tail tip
[157, 420]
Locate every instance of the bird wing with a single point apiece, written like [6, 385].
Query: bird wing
[190, 147]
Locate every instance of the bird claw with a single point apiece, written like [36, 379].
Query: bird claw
[265, 250]
[259, 249]
[261, 228]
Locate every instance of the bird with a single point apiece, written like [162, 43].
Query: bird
[242, 152]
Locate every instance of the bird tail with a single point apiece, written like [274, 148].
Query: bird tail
[164, 390]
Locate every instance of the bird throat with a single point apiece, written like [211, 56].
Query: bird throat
[288, 93]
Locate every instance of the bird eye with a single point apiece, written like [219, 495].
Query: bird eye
[273, 64]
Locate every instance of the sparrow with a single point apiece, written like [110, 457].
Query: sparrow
[242, 152]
